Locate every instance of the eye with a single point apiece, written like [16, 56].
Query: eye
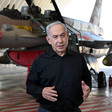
[55, 37]
[62, 35]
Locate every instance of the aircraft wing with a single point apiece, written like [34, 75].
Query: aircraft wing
[96, 43]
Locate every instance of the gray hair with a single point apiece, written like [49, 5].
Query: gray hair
[52, 24]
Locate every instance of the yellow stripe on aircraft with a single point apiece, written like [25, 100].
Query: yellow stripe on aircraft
[28, 28]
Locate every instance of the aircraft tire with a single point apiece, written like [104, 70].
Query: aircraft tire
[101, 79]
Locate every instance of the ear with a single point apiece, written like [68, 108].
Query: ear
[68, 34]
[48, 39]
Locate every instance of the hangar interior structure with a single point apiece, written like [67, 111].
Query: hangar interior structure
[13, 97]
[44, 4]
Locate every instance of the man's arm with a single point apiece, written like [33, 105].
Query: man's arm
[86, 90]
[86, 77]
[33, 86]
[86, 81]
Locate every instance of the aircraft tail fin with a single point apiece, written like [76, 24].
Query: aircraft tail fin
[95, 17]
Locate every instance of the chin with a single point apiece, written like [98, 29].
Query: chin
[61, 50]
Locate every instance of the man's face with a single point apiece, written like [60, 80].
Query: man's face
[58, 39]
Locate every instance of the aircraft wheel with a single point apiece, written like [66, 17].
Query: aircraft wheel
[101, 79]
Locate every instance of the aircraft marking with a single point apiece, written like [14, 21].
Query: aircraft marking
[28, 28]
[40, 26]
[87, 38]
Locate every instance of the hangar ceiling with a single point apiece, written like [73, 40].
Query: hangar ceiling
[18, 4]
[44, 4]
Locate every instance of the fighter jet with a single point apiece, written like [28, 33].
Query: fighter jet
[28, 35]
[94, 45]
[25, 37]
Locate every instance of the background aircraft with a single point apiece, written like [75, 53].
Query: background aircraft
[25, 35]
[94, 45]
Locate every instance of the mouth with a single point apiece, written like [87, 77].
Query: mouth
[60, 46]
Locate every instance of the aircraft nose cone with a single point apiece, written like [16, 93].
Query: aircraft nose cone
[107, 61]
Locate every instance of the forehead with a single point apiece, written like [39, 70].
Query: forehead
[57, 29]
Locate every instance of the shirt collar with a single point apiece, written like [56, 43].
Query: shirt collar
[51, 52]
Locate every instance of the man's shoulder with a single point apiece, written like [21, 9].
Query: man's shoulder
[41, 56]
[75, 53]
[40, 60]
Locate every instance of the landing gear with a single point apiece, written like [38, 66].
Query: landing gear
[101, 80]
[94, 74]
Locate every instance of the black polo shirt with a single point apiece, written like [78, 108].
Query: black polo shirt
[65, 73]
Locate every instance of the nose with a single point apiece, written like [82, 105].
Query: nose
[60, 39]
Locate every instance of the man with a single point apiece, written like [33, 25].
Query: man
[59, 76]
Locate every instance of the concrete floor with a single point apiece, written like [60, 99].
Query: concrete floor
[12, 77]
[13, 97]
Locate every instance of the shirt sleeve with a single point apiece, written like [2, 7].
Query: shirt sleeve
[33, 86]
[86, 74]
